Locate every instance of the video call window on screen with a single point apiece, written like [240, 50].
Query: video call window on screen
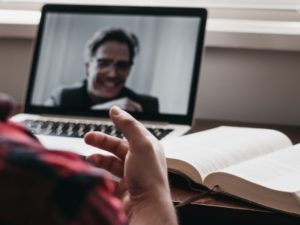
[144, 63]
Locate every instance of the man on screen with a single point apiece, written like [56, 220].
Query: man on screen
[109, 56]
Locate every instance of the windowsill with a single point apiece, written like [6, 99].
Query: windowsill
[253, 34]
[225, 33]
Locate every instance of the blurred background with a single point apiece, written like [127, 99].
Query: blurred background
[251, 64]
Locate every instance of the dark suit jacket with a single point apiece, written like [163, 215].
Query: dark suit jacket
[76, 97]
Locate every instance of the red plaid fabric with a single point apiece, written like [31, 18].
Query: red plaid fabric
[42, 187]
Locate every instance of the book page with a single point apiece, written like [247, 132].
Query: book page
[271, 180]
[212, 150]
[278, 171]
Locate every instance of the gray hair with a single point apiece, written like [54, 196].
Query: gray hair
[111, 34]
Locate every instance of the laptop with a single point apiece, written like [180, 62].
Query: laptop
[165, 70]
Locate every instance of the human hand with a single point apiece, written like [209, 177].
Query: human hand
[140, 163]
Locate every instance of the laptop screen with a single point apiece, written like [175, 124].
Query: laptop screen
[144, 59]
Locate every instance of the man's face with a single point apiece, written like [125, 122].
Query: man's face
[108, 69]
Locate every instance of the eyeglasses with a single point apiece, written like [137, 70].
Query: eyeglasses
[120, 66]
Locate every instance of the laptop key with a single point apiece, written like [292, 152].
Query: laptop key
[78, 130]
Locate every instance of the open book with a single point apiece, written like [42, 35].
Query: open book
[258, 165]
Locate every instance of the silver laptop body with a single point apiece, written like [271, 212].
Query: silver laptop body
[166, 68]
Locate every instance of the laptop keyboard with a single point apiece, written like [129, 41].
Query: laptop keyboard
[78, 130]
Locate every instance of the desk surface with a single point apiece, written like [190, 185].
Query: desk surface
[218, 209]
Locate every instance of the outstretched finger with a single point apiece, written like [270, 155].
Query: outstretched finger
[108, 162]
[130, 127]
[115, 145]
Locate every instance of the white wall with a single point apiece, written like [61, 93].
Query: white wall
[235, 84]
